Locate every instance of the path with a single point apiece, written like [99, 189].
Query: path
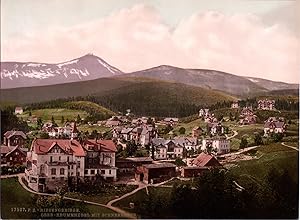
[292, 147]
[240, 151]
[12, 175]
[235, 133]
[118, 210]
[142, 186]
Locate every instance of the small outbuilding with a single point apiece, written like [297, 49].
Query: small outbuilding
[154, 173]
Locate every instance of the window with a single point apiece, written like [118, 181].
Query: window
[59, 158]
[10, 158]
[17, 153]
[62, 178]
[51, 159]
[109, 171]
[92, 171]
[68, 158]
[62, 171]
[53, 171]
[78, 173]
[86, 172]
[102, 171]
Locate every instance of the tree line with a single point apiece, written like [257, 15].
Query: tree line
[216, 194]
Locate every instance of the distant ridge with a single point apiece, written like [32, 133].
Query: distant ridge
[91, 67]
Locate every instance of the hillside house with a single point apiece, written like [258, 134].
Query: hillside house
[271, 119]
[215, 128]
[18, 110]
[68, 131]
[100, 159]
[154, 173]
[112, 123]
[210, 119]
[147, 134]
[235, 104]
[266, 104]
[167, 149]
[54, 162]
[197, 132]
[247, 111]
[216, 145]
[277, 127]
[116, 132]
[248, 120]
[14, 138]
[170, 121]
[204, 112]
[126, 133]
[189, 143]
[13, 155]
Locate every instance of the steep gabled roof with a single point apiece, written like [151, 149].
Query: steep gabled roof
[16, 149]
[205, 160]
[42, 146]
[9, 134]
[103, 145]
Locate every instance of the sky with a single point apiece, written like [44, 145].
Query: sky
[257, 38]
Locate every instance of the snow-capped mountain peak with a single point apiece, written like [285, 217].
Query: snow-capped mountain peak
[21, 74]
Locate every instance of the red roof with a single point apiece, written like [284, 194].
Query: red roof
[205, 160]
[105, 145]
[42, 146]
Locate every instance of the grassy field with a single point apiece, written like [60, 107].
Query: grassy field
[273, 155]
[57, 113]
[14, 198]
[104, 197]
[141, 195]
[91, 128]
[189, 126]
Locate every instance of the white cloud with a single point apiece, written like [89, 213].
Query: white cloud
[137, 38]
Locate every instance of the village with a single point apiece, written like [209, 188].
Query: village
[67, 156]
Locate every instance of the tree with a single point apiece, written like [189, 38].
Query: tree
[131, 148]
[182, 130]
[167, 129]
[78, 120]
[53, 121]
[179, 162]
[244, 143]
[152, 152]
[277, 137]
[44, 135]
[39, 123]
[257, 139]
[62, 121]
[30, 114]
[183, 201]
[94, 134]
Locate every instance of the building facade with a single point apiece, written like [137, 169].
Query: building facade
[217, 145]
[54, 162]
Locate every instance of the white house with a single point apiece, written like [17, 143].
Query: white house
[278, 127]
[18, 110]
[218, 145]
[100, 159]
[189, 143]
[167, 149]
[50, 162]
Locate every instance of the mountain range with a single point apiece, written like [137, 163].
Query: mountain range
[90, 67]
[29, 74]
